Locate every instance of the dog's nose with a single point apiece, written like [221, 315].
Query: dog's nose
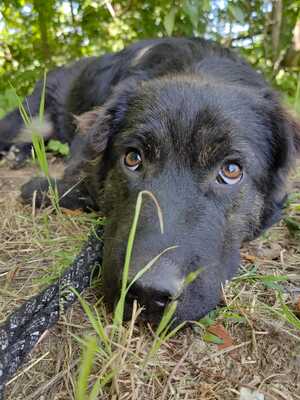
[156, 288]
[150, 298]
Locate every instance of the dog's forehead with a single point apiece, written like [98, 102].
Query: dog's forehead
[204, 118]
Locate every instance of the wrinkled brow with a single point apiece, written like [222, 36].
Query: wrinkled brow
[200, 137]
[209, 138]
[145, 140]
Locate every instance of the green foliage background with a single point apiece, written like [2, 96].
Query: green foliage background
[39, 34]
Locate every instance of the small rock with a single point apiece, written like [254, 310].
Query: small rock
[249, 394]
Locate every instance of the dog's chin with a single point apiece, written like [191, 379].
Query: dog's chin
[195, 302]
[154, 316]
[150, 315]
[146, 317]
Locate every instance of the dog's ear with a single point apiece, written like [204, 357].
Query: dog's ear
[96, 128]
[294, 127]
[86, 120]
[285, 149]
[102, 123]
[93, 132]
[285, 125]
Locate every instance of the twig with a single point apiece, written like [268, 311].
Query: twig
[175, 369]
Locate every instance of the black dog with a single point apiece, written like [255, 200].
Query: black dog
[188, 121]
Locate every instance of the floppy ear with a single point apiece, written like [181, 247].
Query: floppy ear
[96, 128]
[91, 125]
[86, 120]
[294, 126]
[285, 150]
[102, 123]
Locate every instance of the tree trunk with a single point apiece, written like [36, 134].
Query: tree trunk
[72, 11]
[291, 56]
[276, 26]
[296, 36]
[42, 9]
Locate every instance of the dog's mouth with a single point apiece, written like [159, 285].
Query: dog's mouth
[195, 299]
[153, 307]
[189, 277]
[149, 312]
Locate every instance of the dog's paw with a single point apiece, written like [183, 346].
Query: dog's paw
[36, 189]
[18, 155]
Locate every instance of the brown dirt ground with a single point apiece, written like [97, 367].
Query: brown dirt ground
[266, 350]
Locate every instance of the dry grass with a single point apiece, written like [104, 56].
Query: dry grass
[265, 352]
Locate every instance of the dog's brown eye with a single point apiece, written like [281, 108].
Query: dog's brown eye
[133, 160]
[230, 173]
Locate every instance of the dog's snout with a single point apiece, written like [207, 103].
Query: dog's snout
[149, 298]
[156, 288]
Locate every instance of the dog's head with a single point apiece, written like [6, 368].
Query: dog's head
[215, 156]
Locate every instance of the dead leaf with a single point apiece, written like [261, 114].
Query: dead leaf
[249, 257]
[219, 331]
[71, 213]
[297, 306]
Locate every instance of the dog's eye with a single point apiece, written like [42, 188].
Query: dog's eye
[230, 173]
[133, 160]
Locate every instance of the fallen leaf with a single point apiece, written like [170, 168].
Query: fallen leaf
[72, 213]
[210, 338]
[297, 306]
[249, 257]
[219, 331]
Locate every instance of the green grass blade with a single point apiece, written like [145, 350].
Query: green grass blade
[285, 313]
[100, 383]
[163, 333]
[86, 368]
[148, 266]
[95, 321]
[43, 97]
[25, 116]
[166, 318]
[119, 310]
[174, 331]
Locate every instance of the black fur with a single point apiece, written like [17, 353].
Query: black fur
[188, 106]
